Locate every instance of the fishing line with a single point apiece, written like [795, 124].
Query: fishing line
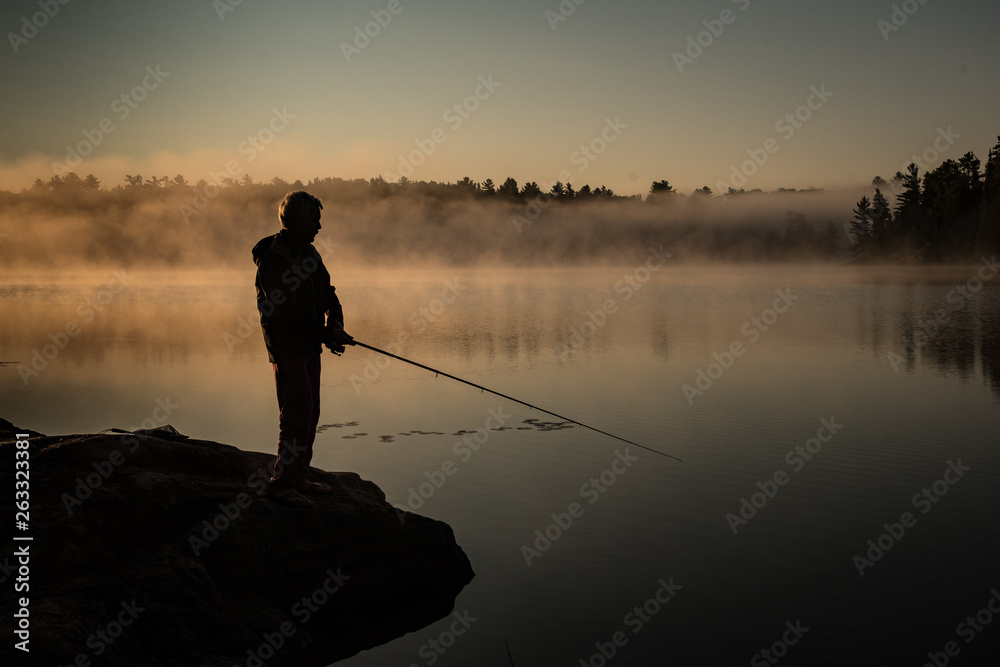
[509, 398]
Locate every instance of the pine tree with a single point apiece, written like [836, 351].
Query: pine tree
[660, 192]
[509, 188]
[988, 238]
[861, 231]
[468, 185]
[530, 190]
[906, 229]
[950, 203]
[881, 221]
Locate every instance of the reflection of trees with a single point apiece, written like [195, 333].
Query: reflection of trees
[949, 342]
[953, 348]
[989, 350]
[660, 334]
[869, 312]
[907, 329]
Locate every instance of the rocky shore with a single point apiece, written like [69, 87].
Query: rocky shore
[150, 550]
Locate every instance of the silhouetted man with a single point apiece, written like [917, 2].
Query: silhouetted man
[299, 312]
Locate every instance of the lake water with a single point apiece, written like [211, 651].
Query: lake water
[815, 409]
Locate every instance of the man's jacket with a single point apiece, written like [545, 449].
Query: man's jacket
[294, 297]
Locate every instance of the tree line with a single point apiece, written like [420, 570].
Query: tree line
[950, 212]
[375, 187]
[660, 192]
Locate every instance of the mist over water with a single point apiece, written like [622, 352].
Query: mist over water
[511, 311]
[413, 225]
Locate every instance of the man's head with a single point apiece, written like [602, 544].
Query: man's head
[299, 213]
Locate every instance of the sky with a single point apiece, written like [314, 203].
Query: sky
[739, 93]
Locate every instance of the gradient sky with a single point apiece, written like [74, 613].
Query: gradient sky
[607, 60]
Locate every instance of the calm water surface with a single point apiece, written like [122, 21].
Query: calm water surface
[830, 421]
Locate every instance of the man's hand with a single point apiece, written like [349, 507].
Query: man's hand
[336, 338]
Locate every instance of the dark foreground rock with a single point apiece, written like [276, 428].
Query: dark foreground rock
[162, 551]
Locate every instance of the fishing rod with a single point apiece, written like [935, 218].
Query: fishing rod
[509, 398]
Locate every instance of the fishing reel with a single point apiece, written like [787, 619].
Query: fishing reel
[336, 340]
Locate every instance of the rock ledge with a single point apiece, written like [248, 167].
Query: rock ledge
[168, 545]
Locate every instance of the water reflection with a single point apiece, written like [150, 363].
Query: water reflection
[989, 351]
[513, 317]
[928, 332]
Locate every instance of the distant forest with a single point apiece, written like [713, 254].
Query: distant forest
[952, 211]
[951, 214]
